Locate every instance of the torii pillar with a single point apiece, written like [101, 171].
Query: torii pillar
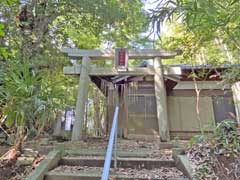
[82, 96]
[161, 101]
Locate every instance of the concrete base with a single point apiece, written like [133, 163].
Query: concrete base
[50, 162]
[182, 163]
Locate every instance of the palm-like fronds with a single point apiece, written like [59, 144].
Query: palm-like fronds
[28, 98]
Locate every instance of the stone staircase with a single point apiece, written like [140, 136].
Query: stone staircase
[136, 160]
[89, 168]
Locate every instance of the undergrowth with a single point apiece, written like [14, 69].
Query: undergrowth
[216, 155]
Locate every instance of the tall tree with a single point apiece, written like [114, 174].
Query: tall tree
[86, 24]
[32, 31]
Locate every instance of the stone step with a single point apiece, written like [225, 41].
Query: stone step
[136, 163]
[120, 153]
[96, 175]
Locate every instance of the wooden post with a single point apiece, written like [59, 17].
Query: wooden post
[161, 101]
[123, 113]
[125, 128]
[81, 100]
[236, 98]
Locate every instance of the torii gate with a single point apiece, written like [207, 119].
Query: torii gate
[86, 69]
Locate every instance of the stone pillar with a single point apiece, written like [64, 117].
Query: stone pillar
[82, 96]
[236, 98]
[57, 131]
[161, 101]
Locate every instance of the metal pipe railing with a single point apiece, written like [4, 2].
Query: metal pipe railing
[108, 156]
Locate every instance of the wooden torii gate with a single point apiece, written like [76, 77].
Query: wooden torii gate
[86, 69]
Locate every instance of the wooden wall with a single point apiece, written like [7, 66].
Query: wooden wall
[214, 106]
[183, 119]
[182, 116]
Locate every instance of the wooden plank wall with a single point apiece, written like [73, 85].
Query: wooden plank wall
[183, 116]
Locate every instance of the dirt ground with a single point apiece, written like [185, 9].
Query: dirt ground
[208, 165]
[18, 171]
[228, 167]
[13, 172]
[3, 149]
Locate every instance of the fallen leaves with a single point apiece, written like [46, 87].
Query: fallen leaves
[11, 155]
[37, 161]
[13, 171]
[217, 156]
[160, 173]
[16, 166]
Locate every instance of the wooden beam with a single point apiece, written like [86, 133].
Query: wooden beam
[161, 101]
[81, 100]
[236, 98]
[110, 54]
[103, 71]
[185, 85]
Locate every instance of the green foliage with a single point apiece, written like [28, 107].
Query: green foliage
[197, 139]
[197, 49]
[226, 137]
[80, 23]
[8, 2]
[206, 149]
[28, 98]
[1, 30]
[208, 30]
[3, 52]
[223, 140]
[96, 22]
[32, 84]
[231, 75]
[7, 10]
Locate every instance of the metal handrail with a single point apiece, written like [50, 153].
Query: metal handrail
[108, 156]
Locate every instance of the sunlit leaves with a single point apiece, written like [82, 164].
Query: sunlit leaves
[1, 30]
[8, 2]
[93, 23]
[210, 33]
[209, 18]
